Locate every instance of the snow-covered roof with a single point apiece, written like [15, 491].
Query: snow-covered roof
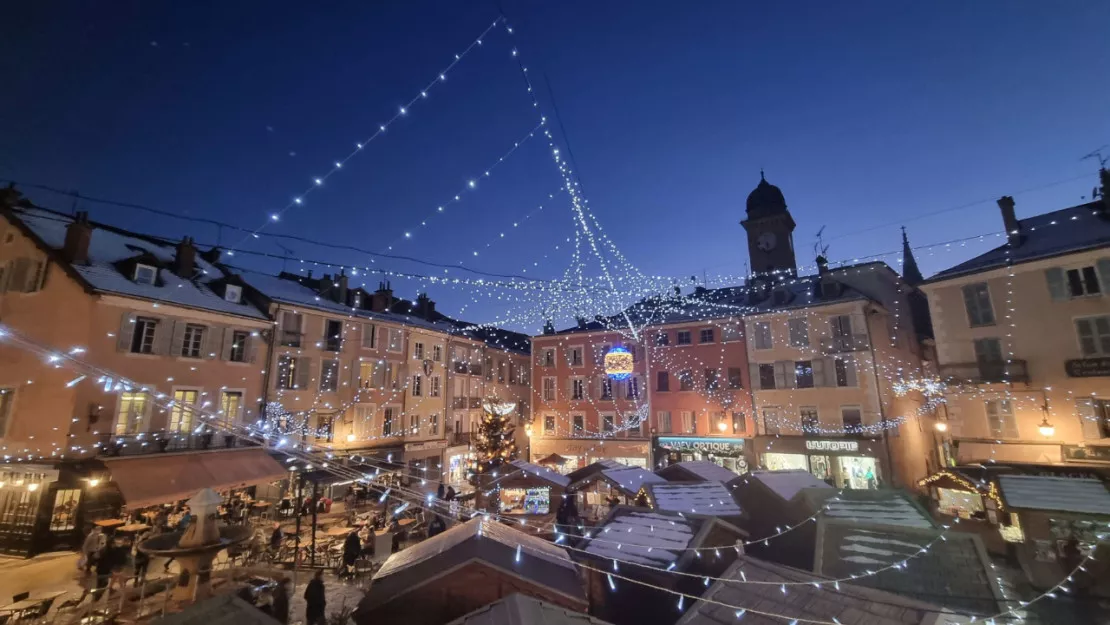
[883, 507]
[518, 609]
[643, 537]
[710, 498]
[786, 484]
[545, 473]
[108, 246]
[631, 479]
[1064, 494]
[708, 471]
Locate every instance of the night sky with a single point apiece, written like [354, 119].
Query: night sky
[868, 115]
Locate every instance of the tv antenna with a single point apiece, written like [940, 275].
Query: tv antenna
[287, 256]
[1097, 154]
[819, 248]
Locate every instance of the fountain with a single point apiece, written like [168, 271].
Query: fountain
[196, 547]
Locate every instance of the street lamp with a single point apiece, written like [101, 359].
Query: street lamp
[941, 426]
[1046, 429]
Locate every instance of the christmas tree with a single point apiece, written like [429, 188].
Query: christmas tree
[494, 441]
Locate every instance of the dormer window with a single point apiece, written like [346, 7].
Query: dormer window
[145, 274]
[233, 293]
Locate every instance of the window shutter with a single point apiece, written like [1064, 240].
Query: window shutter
[20, 270]
[1057, 288]
[1085, 408]
[1086, 331]
[162, 334]
[780, 374]
[377, 377]
[1103, 266]
[753, 376]
[850, 373]
[178, 341]
[304, 370]
[228, 339]
[126, 332]
[819, 372]
[859, 326]
[253, 341]
[210, 345]
[1009, 424]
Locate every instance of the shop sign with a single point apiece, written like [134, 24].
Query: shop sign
[1088, 367]
[709, 445]
[426, 445]
[832, 445]
[1089, 453]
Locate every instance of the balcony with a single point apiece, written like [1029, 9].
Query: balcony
[114, 445]
[845, 343]
[458, 438]
[290, 338]
[985, 372]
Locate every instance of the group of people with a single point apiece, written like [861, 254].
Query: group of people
[110, 556]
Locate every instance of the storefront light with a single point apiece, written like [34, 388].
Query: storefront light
[94, 482]
[721, 426]
[350, 438]
[33, 486]
[1045, 428]
[941, 426]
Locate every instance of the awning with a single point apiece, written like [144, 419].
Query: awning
[163, 478]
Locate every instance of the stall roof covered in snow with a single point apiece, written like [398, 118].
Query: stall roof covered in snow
[955, 567]
[541, 472]
[698, 470]
[650, 538]
[1063, 494]
[592, 469]
[886, 507]
[631, 479]
[518, 609]
[109, 247]
[787, 484]
[850, 604]
[709, 498]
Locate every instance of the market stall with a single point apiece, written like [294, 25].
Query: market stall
[529, 490]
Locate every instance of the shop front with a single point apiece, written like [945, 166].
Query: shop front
[581, 452]
[424, 461]
[458, 462]
[841, 463]
[725, 452]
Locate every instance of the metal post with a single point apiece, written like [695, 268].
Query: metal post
[297, 540]
[312, 555]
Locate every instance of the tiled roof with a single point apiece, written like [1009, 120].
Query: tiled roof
[708, 498]
[650, 538]
[850, 605]
[518, 609]
[1064, 494]
[1065, 231]
[108, 246]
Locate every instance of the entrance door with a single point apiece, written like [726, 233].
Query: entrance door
[820, 467]
[858, 472]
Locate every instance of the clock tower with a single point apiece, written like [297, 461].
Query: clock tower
[770, 232]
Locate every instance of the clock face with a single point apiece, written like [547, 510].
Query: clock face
[766, 241]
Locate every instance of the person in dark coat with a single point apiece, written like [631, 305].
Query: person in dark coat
[440, 491]
[275, 538]
[437, 526]
[315, 601]
[352, 549]
[450, 495]
[281, 602]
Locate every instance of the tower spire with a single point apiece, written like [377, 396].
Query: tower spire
[910, 272]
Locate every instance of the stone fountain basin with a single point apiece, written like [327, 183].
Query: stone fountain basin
[166, 544]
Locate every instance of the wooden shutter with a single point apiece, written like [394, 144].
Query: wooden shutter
[1103, 265]
[20, 270]
[210, 343]
[227, 341]
[819, 378]
[1088, 344]
[1088, 420]
[178, 341]
[302, 373]
[253, 341]
[162, 335]
[781, 376]
[850, 373]
[1057, 285]
[377, 375]
[859, 327]
[753, 376]
[126, 332]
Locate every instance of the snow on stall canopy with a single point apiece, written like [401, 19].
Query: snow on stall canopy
[708, 471]
[535, 469]
[632, 479]
[709, 498]
[646, 538]
[108, 246]
[787, 484]
[882, 507]
[1063, 494]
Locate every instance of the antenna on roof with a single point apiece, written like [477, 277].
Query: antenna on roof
[1097, 154]
[819, 247]
[286, 257]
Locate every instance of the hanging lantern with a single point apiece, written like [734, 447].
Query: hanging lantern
[618, 363]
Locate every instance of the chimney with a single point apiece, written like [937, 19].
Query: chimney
[1009, 219]
[212, 256]
[581, 321]
[341, 287]
[382, 299]
[1104, 180]
[822, 265]
[185, 261]
[548, 327]
[425, 307]
[78, 235]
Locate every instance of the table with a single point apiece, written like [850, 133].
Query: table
[133, 527]
[31, 602]
[403, 523]
[341, 531]
[109, 523]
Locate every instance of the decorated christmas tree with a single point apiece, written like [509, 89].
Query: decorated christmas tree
[494, 441]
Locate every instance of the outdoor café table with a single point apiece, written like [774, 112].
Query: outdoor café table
[30, 603]
[109, 523]
[341, 531]
[133, 528]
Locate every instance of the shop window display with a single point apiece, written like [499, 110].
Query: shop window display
[526, 500]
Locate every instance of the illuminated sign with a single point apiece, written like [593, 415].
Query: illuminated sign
[832, 445]
[711, 445]
[618, 363]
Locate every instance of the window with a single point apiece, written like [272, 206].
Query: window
[142, 335]
[7, 396]
[852, 417]
[845, 370]
[396, 340]
[771, 422]
[231, 404]
[735, 377]
[739, 423]
[291, 328]
[1000, 419]
[369, 335]
[662, 381]
[810, 423]
[1083, 281]
[803, 374]
[577, 388]
[193, 340]
[238, 351]
[233, 293]
[706, 336]
[762, 332]
[437, 353]
[132, 410]
[417, 386]
[500, 371]
[292, 373]
[489, 369]
[664, 421]
[434, 390]
[1094, 335]
[574, 356]
[687, 422]
[549, 425]
[712, 381]
[632, 388]
[662, 339]
[799, 332]
[549, 389]
[606, 388]
[433, 425]
[607, 423]
[387, 420]
[548, 357]
[988, 353]
[685, 380]
[181, 414]
[418, 351]
[841, 326]
[683, 337]
[333, 335]
[977, 300]
[718, 423]
[767, 377]
[579, 425]
[64, 514]
[633, 426]
[145, 274]
[414, 424]
[329, 376]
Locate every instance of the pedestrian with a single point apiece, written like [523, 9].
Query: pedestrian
[352, 549]
[281, 601]
[92, 548]
[142, 562]
[450, 496]
[104, 565]
[437, 526]
[440, 491]
[315, 601]
[275, 538]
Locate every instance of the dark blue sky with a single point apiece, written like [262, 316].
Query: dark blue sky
[866, 114]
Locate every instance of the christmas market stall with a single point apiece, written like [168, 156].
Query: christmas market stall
[708, 498]
[528, 490]
[600, 491]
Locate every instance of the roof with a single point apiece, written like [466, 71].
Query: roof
[700, 470]
[220, 610]
[850, 605]
[1065, 231]
[540, 562]
[542, 472]
[631, 479]
[109, 246]
[649, 538]
[955, 571]
[708, 498]
[787, 484]
[594, 468]
[1063, 494]
[884, 507]
[518, 609]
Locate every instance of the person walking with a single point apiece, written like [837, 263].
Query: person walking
[281, 602]
[93, 547]
[315, 601]
[352, 549]
[142, 562]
